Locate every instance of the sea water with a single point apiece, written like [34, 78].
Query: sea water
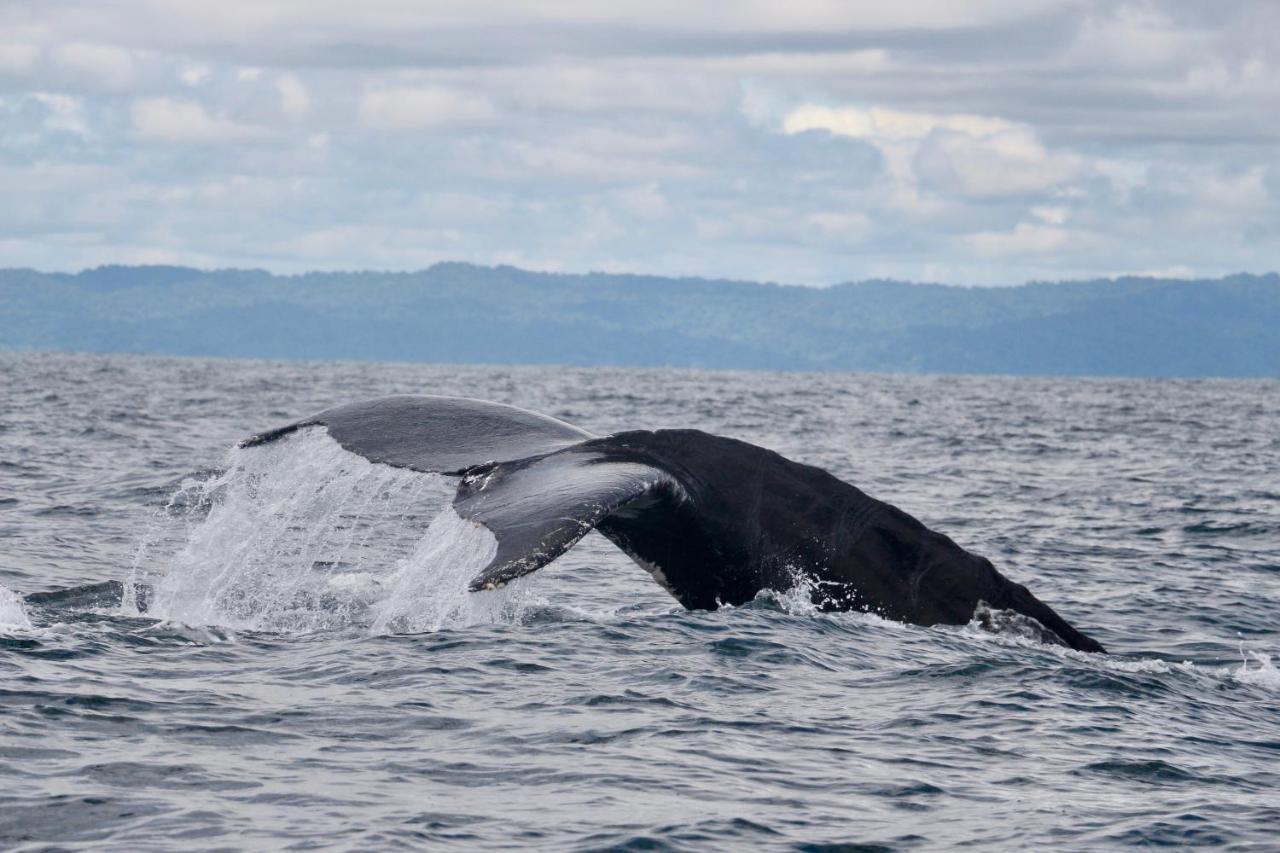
[309, 670]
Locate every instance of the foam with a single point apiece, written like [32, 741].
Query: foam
[13, 615]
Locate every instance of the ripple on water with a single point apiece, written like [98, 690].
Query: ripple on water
[320, 680]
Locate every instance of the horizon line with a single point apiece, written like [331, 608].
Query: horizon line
[1153, 276]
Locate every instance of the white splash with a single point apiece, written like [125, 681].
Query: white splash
[429, 589]
[1264, 675]
[301, 535]
[795, 600]
[13, 615]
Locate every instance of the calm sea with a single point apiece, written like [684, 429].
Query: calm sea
[312, 676]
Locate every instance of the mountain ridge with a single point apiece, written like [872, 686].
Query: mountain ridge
[459, 312]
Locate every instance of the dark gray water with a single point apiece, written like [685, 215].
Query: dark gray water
[320, 681]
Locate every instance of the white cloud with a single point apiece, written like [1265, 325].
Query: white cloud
[878, 124]
[186, 121]
[98, 65]
[645, 201]
[597, 155]
[602, 87]
[194, 75]
[1025, 239]
[957, 154]
[456, 207]
[59, 178]
[542, 161]
[294, 99]
[1051, 215]
[66, 113]
[18, 58]
[1007, 163]
[419, 107]
[847, 226]
[1241, 192]
[1176, 271]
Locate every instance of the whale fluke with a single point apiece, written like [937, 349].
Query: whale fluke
[538, 508]
[715, 520]
[441, 435]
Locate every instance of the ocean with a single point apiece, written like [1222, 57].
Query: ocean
[311, 673]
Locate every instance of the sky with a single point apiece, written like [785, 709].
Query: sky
[986, 142]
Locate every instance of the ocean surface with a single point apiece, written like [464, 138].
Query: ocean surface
[311, 674]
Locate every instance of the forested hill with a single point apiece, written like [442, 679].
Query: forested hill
[463, 313]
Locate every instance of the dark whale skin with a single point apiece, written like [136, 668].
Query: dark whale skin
[752, 519]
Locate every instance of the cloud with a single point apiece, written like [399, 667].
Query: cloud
[585, 90]
[1177, 271]
[1026, 238]
[194, 75]
[382, 33]
[294, 99]
[1009, 162]
[96, 65]
[66, 113]
[18, 58]
[950, 153]
[186, 121]
[847, 226]
[814, 141]
[1245, 192]
[884, 124]
[1051, 215]
[420, 107]
[650, 153]
[1136, 37]
[645, 201]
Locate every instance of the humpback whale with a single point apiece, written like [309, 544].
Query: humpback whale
[714, 520]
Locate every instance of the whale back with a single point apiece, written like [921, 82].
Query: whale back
[432, 434]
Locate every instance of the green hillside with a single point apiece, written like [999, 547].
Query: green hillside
[464, 313]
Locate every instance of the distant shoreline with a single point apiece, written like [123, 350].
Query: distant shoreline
[462, 314]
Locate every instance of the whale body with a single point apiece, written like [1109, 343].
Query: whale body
[714, 520]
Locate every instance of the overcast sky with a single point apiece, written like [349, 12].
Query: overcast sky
[986, 142]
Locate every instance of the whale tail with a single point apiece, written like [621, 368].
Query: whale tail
[539, 508]
[435, 435]
[713, 519]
